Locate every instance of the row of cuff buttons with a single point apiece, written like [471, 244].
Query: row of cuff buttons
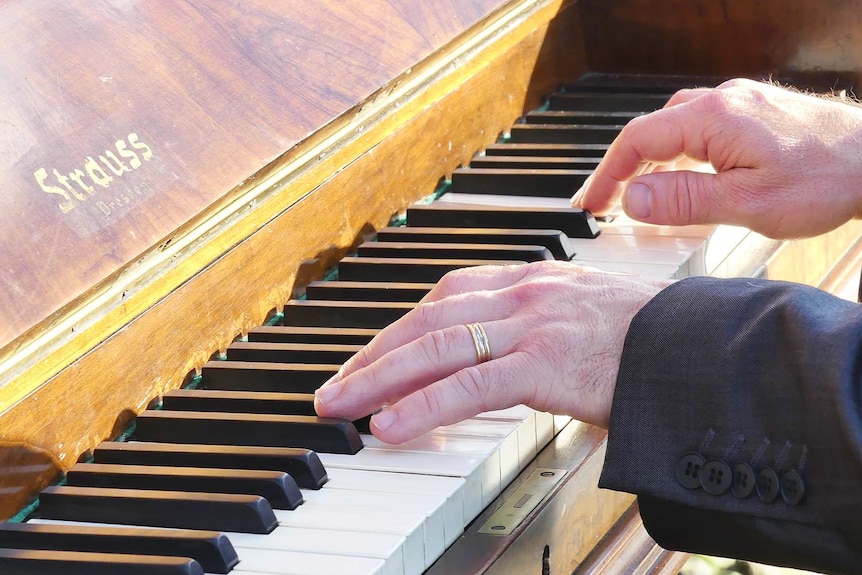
[716, 477]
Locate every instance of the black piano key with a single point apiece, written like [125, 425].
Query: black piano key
[534, 163]
[515, 182]
[556, 241]
[629, 86]
[466, 251]
[239, 401]
[300, 334]
[277, 487]
[321, 434]
[302, 464]
[552, 150]
[563, 133]
[291, 352]
[574, 222]
[265, 376]
[374, 315]
[211, 549]
[607, 101]
[247, 402]
[367, 291]
[406, 269]
[38, 562]
[208, 511]
[580, 117]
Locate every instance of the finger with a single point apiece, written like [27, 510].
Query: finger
[676, 198]
[660, 137]
[497, 384]
[432, 316]
[479, 278]
[686, 95]
[433, 356]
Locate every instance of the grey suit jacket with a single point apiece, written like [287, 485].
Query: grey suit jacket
[737, 421]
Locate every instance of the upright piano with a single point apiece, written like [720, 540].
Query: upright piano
[177, 174]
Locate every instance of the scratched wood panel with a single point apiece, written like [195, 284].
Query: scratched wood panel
[124, 120]
[732, 37]
[477, 100]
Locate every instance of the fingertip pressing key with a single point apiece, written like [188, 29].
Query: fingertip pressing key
[327, 392]
[384, 419]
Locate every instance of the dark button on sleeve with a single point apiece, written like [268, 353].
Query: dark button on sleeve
[742, 485]
[792, 487]
[767, 485]
[715, 477]
[688, 470]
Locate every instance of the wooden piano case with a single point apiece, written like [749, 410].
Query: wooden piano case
[173, 172]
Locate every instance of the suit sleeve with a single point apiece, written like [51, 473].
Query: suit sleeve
[737, 421]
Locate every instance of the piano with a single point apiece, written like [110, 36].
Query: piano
[180, 177]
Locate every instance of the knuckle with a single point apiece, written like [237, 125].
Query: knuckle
[434, 346]
[717, 102]
[735, 83]
[426, 315]
[471, 386]
[431, 400]
[451, 282]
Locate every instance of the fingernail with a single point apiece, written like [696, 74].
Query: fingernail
[639, 201]
[384, 419]
[328, 391]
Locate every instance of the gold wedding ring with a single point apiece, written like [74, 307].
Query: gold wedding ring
[480, 340]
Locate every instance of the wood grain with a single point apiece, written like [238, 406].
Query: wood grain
[187, 102]
[457, 114]
[727, 38]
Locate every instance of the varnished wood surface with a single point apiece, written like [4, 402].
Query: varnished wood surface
[185, 101]
[627, 549]
[460, 111]
[727, 38]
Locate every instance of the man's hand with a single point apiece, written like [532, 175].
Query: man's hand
[786, 164]
[556, 334]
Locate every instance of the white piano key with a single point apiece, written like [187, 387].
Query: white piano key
[527, 436]
[328, 542]
[544, 429]
[621, 224]
[599, 251]
[560, 421]
[388, 550]
[450, 487]
[656, 271]
[431, 506]
[467, 467]
[296, 563]
[486, 448]
[394, 522]
[507, 431]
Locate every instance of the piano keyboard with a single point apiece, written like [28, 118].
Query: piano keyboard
[239, 476]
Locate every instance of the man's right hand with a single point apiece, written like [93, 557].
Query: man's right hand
[786, 164]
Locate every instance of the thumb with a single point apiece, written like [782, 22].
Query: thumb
[674, 198]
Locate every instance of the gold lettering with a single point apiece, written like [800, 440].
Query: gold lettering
[65, 182]
[128, 154]
[41, 175]
[96, 173]
[146, 152]
[76, 177]
[117, 167]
